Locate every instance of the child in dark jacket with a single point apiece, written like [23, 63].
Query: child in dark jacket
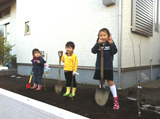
[38, 69]
[105, 38]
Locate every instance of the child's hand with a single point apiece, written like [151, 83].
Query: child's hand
[38, 61]
[74, 74]
[60, 53]
[110, 40]
[100, 41]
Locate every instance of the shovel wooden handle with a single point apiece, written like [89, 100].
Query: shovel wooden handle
[102, 63]
[59, 54]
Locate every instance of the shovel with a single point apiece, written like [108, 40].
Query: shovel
[73, 76]
[102, 94]
[44, 75]
[29, 84]
[58, 87]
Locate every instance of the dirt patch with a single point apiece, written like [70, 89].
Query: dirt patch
[84, 102]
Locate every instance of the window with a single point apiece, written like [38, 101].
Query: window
[2, 30]
[157, 15]
[142, 17]
[5, 12]
[27, 28]
[7, 32]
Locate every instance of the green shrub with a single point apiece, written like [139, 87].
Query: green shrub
[5, 56]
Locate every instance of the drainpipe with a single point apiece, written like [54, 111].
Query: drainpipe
[151, 68]
[159, 71]
[119, 44]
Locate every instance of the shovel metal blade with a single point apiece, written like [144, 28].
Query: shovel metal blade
[58, 88]
[101, 96]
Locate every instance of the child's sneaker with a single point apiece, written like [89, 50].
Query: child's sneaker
[34, 86]
[39, 87]
[116, 104]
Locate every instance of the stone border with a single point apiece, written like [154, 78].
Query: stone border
[16, 106]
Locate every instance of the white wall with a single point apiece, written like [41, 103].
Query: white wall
[54, 22]
[150, 46]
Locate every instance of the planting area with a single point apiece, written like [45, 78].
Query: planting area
[84, 103]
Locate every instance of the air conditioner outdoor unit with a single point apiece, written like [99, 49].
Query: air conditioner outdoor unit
[108, 2]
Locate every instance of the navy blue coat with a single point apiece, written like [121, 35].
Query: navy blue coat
[38, 69]
[109, 51]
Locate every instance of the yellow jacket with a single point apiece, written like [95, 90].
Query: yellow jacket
[70, 62]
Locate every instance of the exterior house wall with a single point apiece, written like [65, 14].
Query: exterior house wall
[149, 49]
[53, 23]
[56, 23]
[149, 45]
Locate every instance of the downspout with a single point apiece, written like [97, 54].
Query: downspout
[119, 43]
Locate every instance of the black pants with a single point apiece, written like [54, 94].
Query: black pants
[68, 76]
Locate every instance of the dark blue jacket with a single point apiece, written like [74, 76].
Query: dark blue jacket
[109, 51]
[38, 69]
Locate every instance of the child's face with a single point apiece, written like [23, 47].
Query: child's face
[36, 54]
[103, 36]
[69, 50]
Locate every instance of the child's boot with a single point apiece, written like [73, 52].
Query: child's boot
[34, 86]
[116, 103]
[39, 87]
[73, 92]
[68, 89]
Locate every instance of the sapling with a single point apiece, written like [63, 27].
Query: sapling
[138, 81]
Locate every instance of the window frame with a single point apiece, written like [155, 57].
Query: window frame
[157, 16]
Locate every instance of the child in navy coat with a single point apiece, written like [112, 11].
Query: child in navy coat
[105, 40]
[38, 69]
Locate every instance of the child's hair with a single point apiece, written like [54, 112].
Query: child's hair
[70, 44]
[35, 50]
[104, 30]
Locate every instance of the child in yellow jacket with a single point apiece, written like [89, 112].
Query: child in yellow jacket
[70, 68]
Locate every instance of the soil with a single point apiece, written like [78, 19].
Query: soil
[84, 103]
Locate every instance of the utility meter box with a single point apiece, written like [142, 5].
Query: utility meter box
[108, 2]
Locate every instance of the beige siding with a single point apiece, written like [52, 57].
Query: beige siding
[150, 46]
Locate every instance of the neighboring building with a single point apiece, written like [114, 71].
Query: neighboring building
[49, 24]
